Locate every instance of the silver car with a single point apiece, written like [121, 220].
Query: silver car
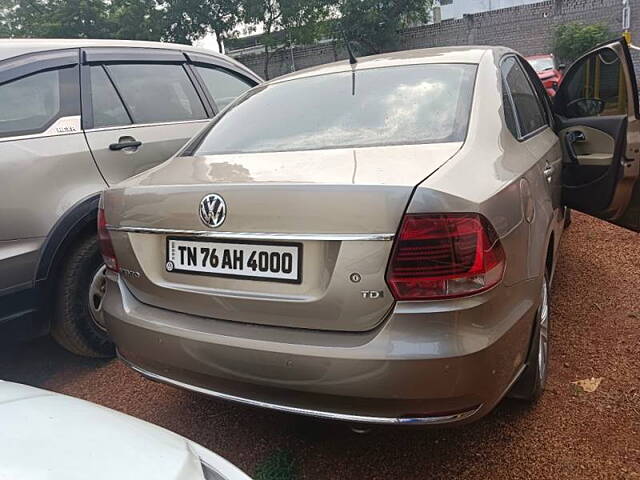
[371, 242]
[75, 117]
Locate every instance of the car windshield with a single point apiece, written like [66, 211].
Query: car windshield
[371, 107]
[541, 64]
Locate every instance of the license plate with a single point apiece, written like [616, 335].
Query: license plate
[249, 260]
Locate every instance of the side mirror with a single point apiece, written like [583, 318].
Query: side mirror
[562, 67]
[585, 107]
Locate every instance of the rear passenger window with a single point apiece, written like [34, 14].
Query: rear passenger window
[509, 114]
[108, 110]
[155, 93]
[223, 87]
[30, 104]
[528, 111]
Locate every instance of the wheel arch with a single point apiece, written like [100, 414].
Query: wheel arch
[78, 220]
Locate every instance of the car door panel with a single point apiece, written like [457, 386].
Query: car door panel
[140, 114]
[44, 160]
[596, 149]
[590, 176]
[532, 116]
[598, 125]
[158, 143]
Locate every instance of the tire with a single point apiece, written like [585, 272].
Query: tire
[74, 326]
[531, 383]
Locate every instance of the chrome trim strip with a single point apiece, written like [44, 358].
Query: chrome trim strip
[342, 237]
[142, 125]
[304, 411]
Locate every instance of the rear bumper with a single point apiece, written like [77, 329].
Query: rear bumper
[427, 364]
[423, 420]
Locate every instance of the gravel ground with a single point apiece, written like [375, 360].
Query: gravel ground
[567, 434]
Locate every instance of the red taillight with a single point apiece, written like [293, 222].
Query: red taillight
[444, 255]
[104, 240]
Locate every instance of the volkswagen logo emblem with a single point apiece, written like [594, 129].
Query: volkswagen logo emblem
[213, 210]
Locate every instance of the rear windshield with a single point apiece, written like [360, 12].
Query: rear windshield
[382, 106]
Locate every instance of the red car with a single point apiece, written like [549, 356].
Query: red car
[548, 70]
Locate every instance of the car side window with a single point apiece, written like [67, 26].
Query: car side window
[155, 93]
[224, 87]
[33, 103]
[528, 111]
[108, 110]
[595, 86]
[509, 114]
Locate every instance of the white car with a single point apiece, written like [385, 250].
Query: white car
[45, 435]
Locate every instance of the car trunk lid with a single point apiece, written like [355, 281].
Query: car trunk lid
[341, 207]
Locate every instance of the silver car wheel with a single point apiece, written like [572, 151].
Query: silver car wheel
[96, 297]
[543, 348]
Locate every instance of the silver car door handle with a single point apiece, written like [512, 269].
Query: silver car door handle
[132, 144]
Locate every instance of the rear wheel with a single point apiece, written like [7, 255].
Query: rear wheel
[78, 323]
[532, 381]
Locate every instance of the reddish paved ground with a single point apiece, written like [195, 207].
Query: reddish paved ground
[568, 434]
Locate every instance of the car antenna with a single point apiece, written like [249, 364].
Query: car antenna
[352, 58]
[353, 61]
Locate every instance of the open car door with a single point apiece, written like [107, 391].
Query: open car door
[598, 123]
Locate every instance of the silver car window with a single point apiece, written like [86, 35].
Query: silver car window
[381, 106]
[107, 108]
[528, 110]
[223, 87]
[157, 92]
[509, 114]
[29, 104]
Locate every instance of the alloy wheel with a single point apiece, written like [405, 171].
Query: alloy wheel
[96, 297]
[543, 350]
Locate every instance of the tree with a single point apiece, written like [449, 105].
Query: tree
[286, 22]
[224, 16]
[56, 18]
[571, 40]
[5, 18]
[136, 20]
[374, 25]
[189, 20]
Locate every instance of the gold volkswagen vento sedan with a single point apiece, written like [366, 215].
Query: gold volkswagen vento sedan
[371, 241]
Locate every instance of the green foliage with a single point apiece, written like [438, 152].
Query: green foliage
[573, 39]
[57, 18]
[136, 20]
[371, 24]
[130, 19]
[189, 20]
[374, 25]
[302, 20]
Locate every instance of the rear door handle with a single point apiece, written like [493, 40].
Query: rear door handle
[548, 171]
[121, 145]
[569, 139]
